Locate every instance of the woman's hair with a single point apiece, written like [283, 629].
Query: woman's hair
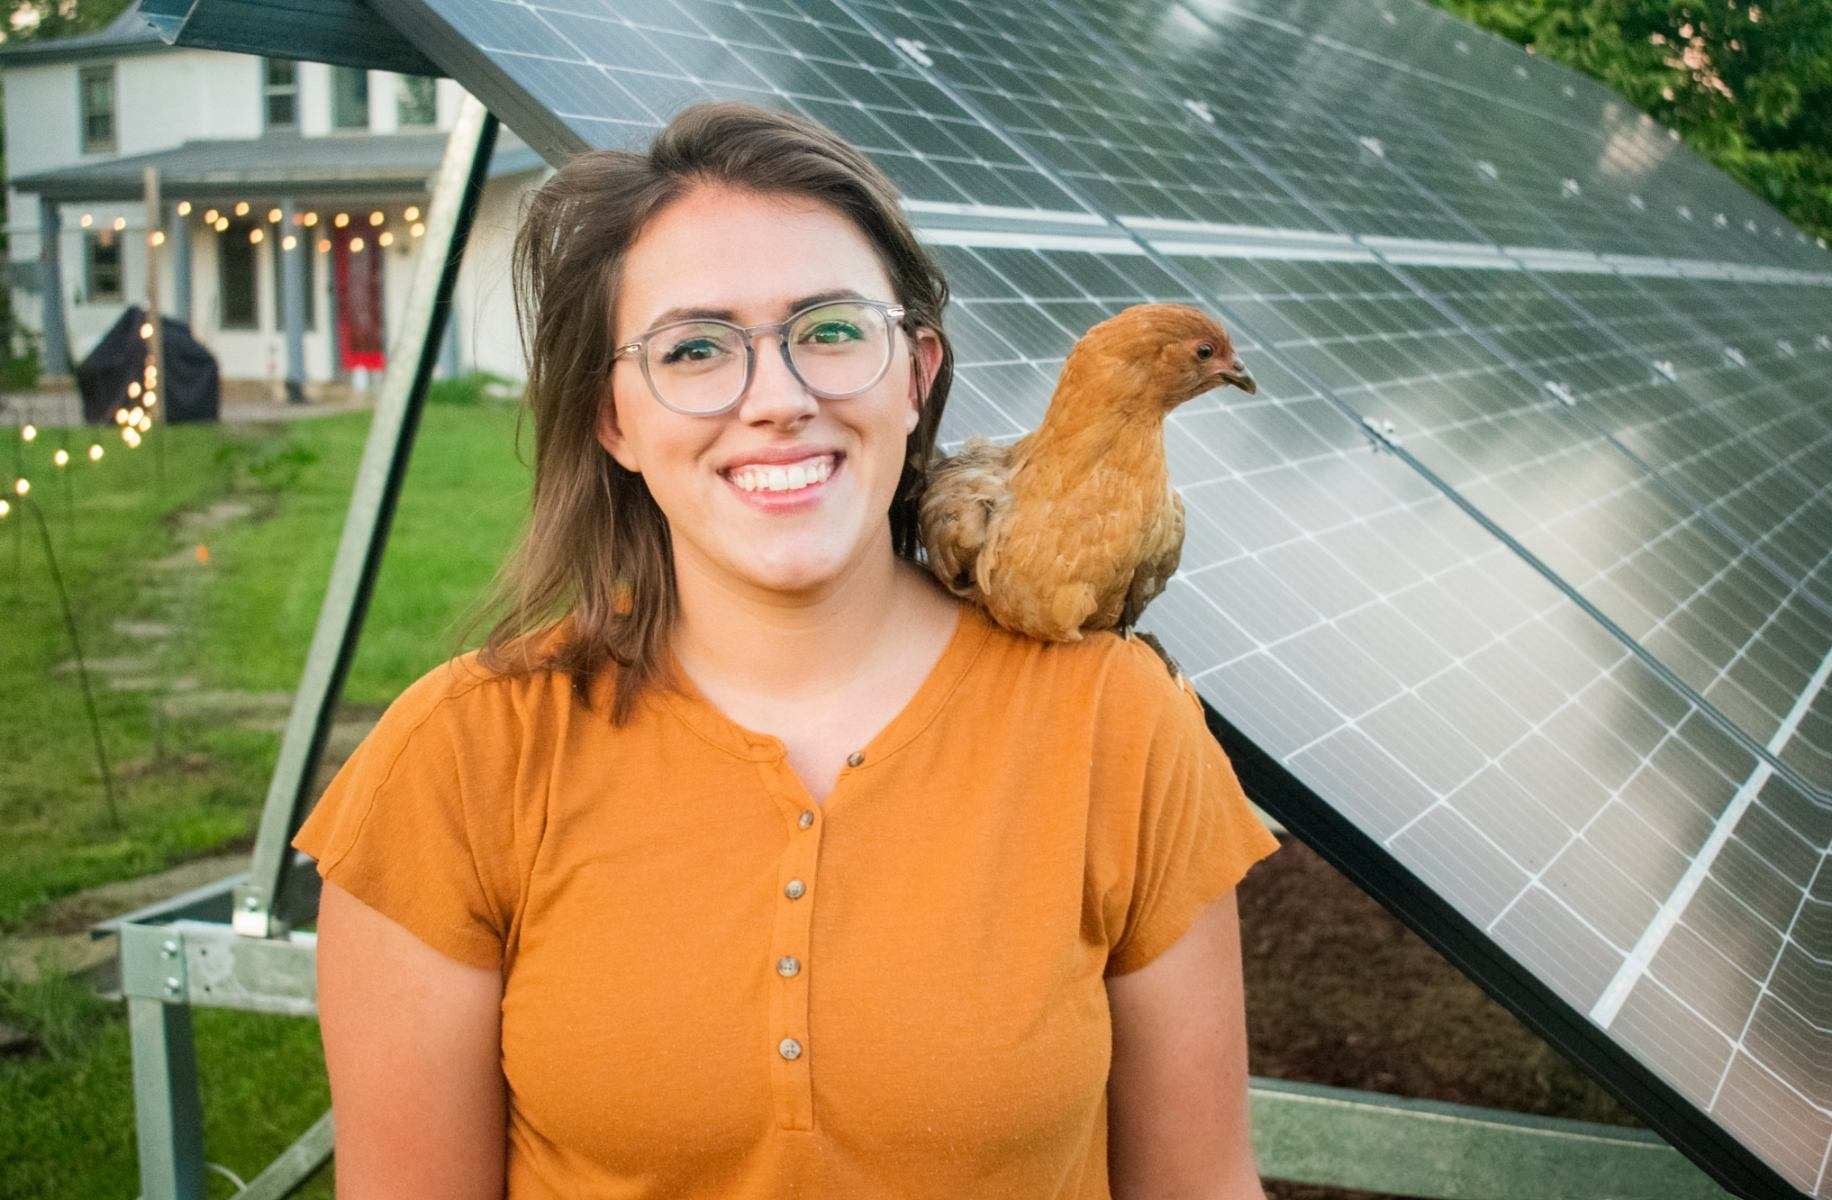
[595, 547]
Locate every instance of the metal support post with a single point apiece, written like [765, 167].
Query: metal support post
[453, 206]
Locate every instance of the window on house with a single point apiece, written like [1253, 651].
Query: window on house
[416, 100]
[349, 98]
[235, 283]
[280, 92]
[96, 101]
[101, 266]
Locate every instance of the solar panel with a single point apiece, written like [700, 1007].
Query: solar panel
[1512, 589]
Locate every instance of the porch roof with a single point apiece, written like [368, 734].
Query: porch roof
[326, 168]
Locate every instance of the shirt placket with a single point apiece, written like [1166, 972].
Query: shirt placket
[791, 1050]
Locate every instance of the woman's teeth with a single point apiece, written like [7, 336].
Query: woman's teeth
[783, 478]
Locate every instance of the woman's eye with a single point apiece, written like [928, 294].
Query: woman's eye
[692, 350]
[832, 333]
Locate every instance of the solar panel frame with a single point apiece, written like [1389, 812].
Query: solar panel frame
[1008, 380]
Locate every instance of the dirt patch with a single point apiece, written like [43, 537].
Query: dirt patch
[1340, 993]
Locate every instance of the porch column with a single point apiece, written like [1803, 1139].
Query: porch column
[180, 226]
[56, 345]
[448, 346]
[292, 300]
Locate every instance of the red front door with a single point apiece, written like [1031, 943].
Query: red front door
[358, 275]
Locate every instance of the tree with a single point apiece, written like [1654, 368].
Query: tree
[57, 18]
[1748, 85]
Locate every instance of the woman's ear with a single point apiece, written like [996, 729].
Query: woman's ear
[925, 363]
[610, 434]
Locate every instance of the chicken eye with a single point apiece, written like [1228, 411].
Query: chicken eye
[1205, 351]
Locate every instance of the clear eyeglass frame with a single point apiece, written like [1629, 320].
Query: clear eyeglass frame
[893, 315]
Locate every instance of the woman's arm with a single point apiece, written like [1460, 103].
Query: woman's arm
[411, 1040]
[1177, 1091]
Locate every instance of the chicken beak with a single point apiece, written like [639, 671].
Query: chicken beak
[1235, 375]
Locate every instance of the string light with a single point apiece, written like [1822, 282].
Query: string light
[152, 398]
[340, 220]
[133, 390]
[28, 433]
[412, 213]
[184, 208]
[210, 216]
[377, 217]
[5, 508]
[387, 239]
[255, 235]
[146, 330]
[131, 437]
[120, 223]
[95, 452]
[356, 245]
[288, 242]
[324, 244]
[133, 418]
[310, 220]
[241, 208]
[274, 215]
[86, 220]
[222, 224]
[120, 418]
[61, 458]
[22, 485]
[157, 237]
[419, 229]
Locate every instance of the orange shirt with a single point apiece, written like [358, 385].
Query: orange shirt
[715, 987]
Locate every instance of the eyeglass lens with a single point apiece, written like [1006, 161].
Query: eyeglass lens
[837, 349]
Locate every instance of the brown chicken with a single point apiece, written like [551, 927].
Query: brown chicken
[1075, 526]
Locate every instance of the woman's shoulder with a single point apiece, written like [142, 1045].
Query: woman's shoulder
[480, 689]
[1119, 676]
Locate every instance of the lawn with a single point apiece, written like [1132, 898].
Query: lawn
[241, 615]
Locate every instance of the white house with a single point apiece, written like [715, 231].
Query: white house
[255, 157]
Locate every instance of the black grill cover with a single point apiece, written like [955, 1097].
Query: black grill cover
[190, 385]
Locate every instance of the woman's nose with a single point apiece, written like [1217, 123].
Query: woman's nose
[775, 394]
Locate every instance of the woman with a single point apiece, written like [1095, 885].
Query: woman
[743, 860]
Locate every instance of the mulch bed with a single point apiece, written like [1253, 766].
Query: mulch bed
[1340, 993]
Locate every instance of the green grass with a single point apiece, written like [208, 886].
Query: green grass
[245, 620]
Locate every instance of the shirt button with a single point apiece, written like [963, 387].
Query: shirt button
[856, 758]
[794, 889]
[807, 817]
[787, 965]
[789, 1048]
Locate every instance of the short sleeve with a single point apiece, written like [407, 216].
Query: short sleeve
[1195, 834]
[397, 827]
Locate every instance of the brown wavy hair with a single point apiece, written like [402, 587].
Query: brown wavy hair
[594, 562]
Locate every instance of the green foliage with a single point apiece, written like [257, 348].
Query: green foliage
[32, 19]
[1749, 86]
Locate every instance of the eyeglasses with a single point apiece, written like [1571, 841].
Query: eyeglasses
[836, 348]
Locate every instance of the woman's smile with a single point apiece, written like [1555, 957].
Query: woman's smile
[784, 487]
